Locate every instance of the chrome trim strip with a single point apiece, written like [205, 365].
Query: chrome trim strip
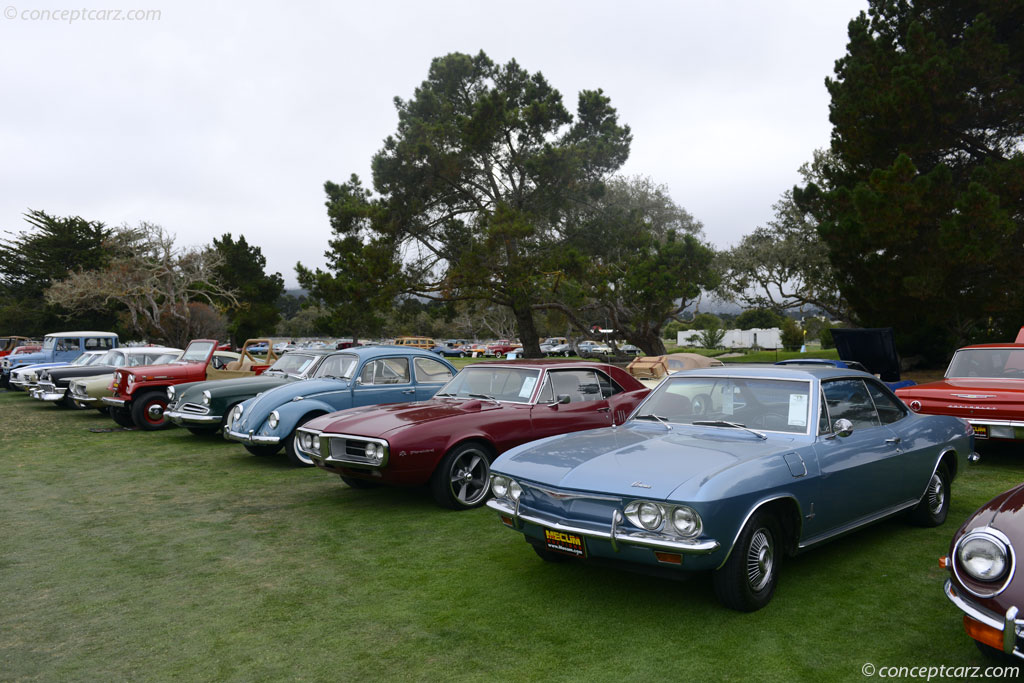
[858, 523]
[641, 538]
[118, 402]
[559, 495]
[190, 418]
[995, 423]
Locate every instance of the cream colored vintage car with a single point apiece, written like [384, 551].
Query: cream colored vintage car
[651, 370]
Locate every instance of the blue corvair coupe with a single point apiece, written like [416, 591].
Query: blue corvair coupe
[730, 469]
[361, 376]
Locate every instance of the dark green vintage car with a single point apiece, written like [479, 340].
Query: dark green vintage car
[201, 407]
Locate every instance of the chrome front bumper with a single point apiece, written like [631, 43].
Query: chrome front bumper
[182, 418]
[1008, 623]
[250, 437]
[614, 535]
[116, 402]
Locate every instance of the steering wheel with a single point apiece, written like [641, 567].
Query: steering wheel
[700, 404]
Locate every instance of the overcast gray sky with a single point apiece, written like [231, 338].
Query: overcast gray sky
[219, 117]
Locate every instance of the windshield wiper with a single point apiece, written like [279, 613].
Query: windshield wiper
[659, 418]
[443, 393]
[485, 397]
[733, 425]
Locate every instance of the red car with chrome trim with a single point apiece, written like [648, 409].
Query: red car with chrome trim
[449, 441]
[984, 384]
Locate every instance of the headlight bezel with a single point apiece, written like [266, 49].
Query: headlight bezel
[662, 518]
[206, 397]
[974, 581]
[274, 419]
[170, 394]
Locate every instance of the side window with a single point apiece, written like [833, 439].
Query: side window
[824, 422]
[608, 386]
[546, 395]
[98, 343]
[68, 344]
[889, 409]
[431, 371]
[578, 385]
[849, 399]
[331, 367]
[386, 371]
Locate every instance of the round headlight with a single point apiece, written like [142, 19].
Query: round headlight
[236, 412]
[649, 515]
[273, 420]
[983, 557]
[514, 489]
[131, 380]
[499, 485]
[170, 394]
[206, 397]
[686, 521]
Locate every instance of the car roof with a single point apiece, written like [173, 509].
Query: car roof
[145, 349]
[1004, 345]
[385, 349]
[541, 363]
[86, 333]
[774, 371]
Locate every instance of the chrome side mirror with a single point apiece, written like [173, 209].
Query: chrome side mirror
[843, 427]
[561, 400]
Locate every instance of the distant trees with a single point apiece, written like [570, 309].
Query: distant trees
[760, 318]
[921, 202]
[149, 280]
[33, 259]
[475, 191]
[242, 270]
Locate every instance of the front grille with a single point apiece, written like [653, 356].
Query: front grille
[347, 450]
[46, 387]
[194, 409]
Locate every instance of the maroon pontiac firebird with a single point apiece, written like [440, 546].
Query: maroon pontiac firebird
[449, 441]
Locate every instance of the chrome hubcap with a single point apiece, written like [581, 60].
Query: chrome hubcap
[760, 559]
[936, 494]
[155, 412]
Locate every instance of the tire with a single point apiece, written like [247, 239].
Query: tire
[354, 483]
[746, 582]
[462, 479]
[462, 354]
[263, 450]
[121, 416]
[67, 402]
[294, 457]
[148, 411]
[565, 353]
[934, 505]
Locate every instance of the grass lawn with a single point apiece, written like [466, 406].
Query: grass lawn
[158, 556]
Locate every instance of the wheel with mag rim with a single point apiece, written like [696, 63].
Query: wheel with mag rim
[462, 480]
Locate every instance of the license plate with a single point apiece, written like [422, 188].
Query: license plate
[561, 542]
[980, 431]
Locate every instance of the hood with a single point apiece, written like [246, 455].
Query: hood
[29, 358]
[71, 372]
[258, 408]
[231, 388]
[614, 460]
[143, 372]
[382, 419]
[1005, 512]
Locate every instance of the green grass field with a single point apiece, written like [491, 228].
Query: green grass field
[160, 556]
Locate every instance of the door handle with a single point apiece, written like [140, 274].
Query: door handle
[408, 391]
[603, 410]
[894, 441]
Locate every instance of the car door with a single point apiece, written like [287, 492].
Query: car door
[430, 376]
[912, 467]
[588, 407]
[67, 349]
[859, 472]
[384, 380]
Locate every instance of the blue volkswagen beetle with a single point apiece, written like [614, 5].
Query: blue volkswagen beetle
[728, 470]
[361, 376]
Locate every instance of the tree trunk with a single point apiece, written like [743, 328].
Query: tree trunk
[649, 340]
[527, 330]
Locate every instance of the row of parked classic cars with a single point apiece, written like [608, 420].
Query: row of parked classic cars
[721, 469]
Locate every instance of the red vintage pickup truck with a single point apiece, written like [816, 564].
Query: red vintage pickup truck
[140, 393]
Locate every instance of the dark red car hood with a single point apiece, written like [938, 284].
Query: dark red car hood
[379, 420]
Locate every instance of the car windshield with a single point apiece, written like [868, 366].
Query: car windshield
[730, 402]
[991, 363]
[165, 358]
[340, 365]
[84, 359]
[114, 358]
[493, 382]
[291, 364]
[48, 343]
[197, 351]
